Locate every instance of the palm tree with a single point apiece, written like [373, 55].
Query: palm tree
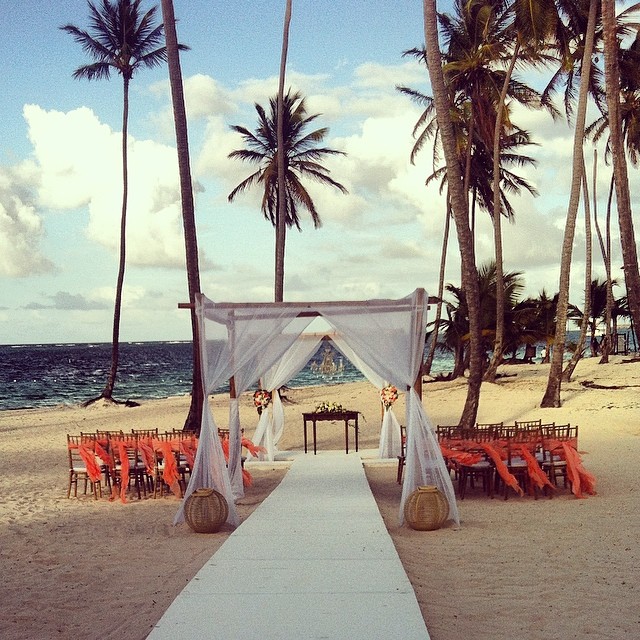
[588, 289]
[456, 327]
[530, 31]
[121, 39]
[281, 228]
[459, 207]
[301, 155]
[193, 421]
[623, 198]
[551, 396]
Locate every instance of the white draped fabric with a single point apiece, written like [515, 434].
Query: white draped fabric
[234, 342]
[387, 336]
[390, 437]
[271, 423]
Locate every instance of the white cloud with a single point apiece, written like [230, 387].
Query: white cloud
[79, 163]
[21, 228]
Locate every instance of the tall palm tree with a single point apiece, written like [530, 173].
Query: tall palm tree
[193, 420]
[588, 289]
[459, 207]
[623, 198]
[530, 31]
[281, 227]
[120, 39]
[585, 50]
[302, 157]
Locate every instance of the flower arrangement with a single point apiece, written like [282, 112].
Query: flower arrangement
[328, 407]
[388, 395]
[261, 399]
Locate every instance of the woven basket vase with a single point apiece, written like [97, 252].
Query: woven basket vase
[426, 509]
[206, 510]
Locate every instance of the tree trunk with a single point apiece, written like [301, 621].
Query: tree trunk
[194, 417]
[443, 263]
[623, 199]
[605, 250]
[490, 373]
[551, 397]
[460, 211]
[107, 392]
[281, 222]
[584, 324]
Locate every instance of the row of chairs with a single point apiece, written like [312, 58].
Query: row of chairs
[97, 457]
[541, 440]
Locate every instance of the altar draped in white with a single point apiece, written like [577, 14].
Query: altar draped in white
[249, 342]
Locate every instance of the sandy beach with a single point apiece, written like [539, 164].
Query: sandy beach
[548, 568]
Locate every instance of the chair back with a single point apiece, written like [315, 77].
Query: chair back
[525, 424]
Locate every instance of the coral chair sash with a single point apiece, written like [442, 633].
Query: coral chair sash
[88, 456]
[535, 472]
[507, 477]
[170, 474]
[579, 477]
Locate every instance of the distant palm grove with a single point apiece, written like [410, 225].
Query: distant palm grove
[476, 57]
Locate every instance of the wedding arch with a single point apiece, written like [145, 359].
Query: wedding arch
[243, 343]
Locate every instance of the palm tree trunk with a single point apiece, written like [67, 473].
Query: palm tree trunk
[443, 262]
[492, 369]
[107, 392]
[194, 417]
[551, 397]
[281, 222]
[460, 211]
[584, 324]
[623, 199]
[605, 250]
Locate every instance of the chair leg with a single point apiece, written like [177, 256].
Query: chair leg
[72, 480]
[401, 462]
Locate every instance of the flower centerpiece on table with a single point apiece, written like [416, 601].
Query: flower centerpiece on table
[261, 399]
[328, 407]
[388, 395]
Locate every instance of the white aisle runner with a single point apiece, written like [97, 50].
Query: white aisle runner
[314, 560]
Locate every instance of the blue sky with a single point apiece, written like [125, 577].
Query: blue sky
[60, 182]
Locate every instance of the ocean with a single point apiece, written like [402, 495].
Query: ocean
[49, 375]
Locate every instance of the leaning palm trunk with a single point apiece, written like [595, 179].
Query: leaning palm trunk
[623, 199]
[107, 393]
[605, 249]
[281, 221]
[443, 263]
[551, 396]
[460, 211]
[584, 324]
[492, 369]
[194, 416]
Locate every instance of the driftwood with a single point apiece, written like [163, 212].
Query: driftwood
[590, 384]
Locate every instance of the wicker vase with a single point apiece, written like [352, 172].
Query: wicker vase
[206, 510]
[426, 509]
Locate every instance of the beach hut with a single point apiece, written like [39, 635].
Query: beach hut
[242, 342]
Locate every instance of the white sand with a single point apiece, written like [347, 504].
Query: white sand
[559, 568]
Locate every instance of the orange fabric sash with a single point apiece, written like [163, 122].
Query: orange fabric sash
[579, 477]
[89, 458]
[124, 470]
[170, 475]
[507, 477]
[536, 474]
[188, 448]
[148, 457]
[461, 457]
[247, 479]
[102, 454]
